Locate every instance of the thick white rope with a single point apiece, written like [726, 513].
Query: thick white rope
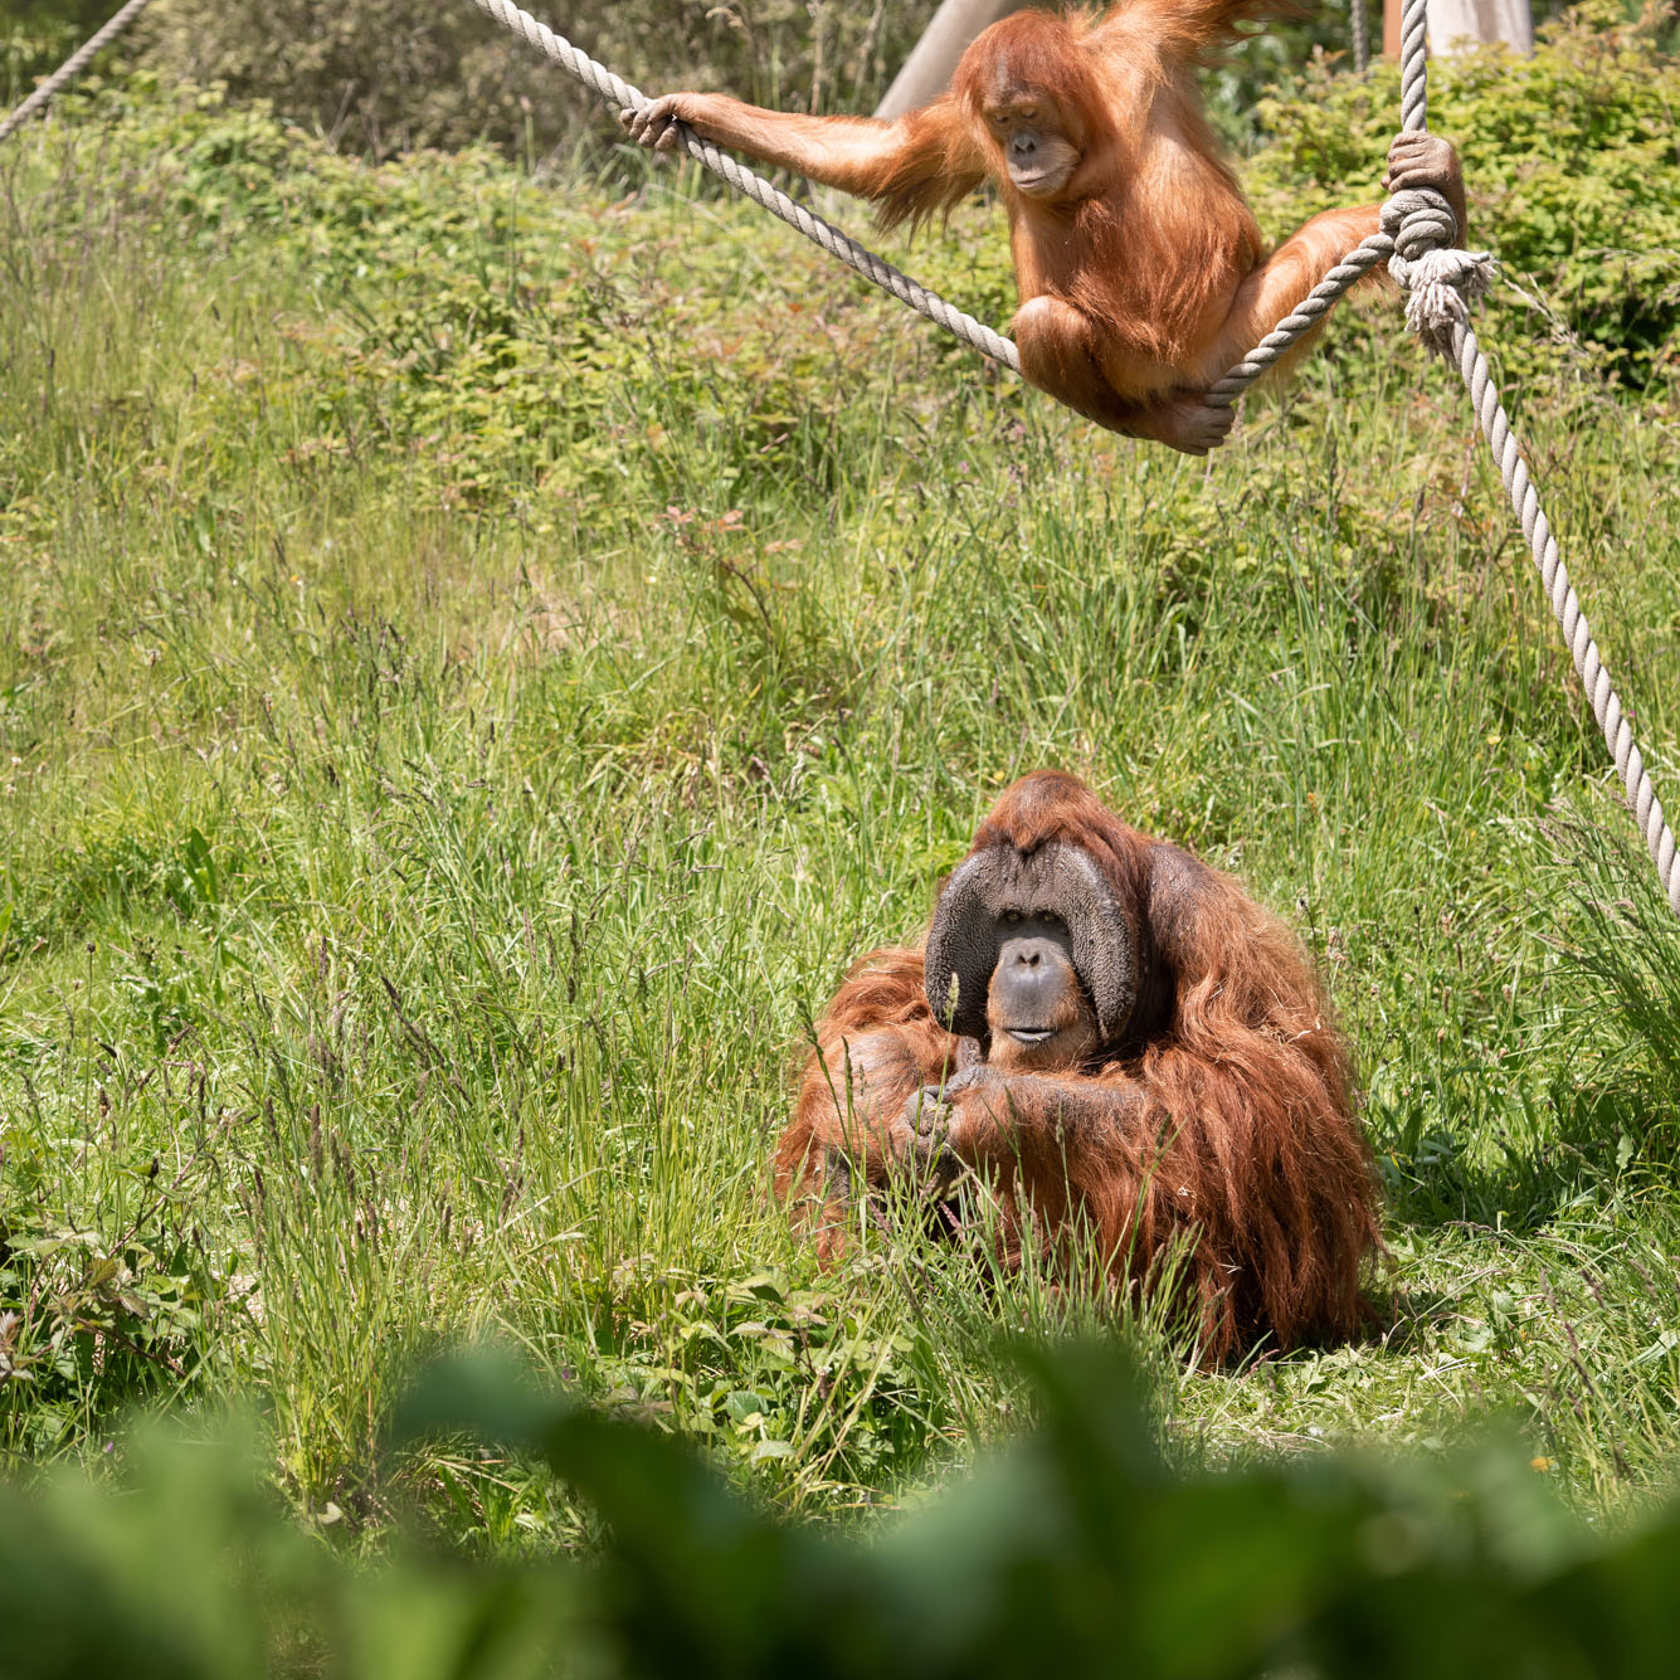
[1306, 315]
[1577, 633]
[1414, 223]
[1416, 238]
[70, 69]
[1440, 282]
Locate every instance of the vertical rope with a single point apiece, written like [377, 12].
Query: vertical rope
[1566, 608]
[1414, 67]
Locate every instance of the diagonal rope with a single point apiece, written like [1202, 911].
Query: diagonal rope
[70, 69]
[1566, 607]
[1306, 315]
[1441, 283]
[875, 269]
[1417, 240]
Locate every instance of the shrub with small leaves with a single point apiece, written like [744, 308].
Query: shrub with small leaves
[386, 75]
[1572, 169]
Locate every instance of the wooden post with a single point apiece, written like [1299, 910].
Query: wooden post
[927, 71]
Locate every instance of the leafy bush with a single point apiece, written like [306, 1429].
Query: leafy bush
[1570, 160]
[34, 39]
[478, 326]
[89, 1313]
[387, 74]
[1078, 1552]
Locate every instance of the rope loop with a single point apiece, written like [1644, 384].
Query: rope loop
[1417, 219]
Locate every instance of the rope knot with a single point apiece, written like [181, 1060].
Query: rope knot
[1440, 280]
[1417, 220]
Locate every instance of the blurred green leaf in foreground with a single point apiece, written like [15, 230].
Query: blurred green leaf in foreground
[1076, 1552]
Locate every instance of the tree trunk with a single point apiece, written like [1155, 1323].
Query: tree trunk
[927, 71]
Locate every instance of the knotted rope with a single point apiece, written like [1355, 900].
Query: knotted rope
[1417, 228]
[1416, 238]
[71, 68]
[1440, 282]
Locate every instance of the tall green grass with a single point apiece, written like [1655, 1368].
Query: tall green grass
[479, 660]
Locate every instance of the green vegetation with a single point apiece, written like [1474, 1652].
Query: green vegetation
[1572, 158]
[480, 656]
[382, 75]
[36, 36]
[1078, 1551]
